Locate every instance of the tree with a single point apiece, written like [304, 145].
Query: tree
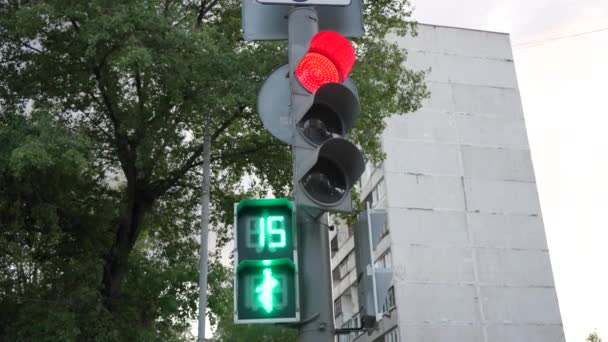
[54, 215]
[593, 337]
[102, 106]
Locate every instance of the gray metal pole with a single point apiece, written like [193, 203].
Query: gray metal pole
[316, 304]
[203, 252]
[315, 279]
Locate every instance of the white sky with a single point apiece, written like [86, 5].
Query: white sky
[562, 84]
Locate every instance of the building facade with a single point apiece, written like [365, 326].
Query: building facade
[465, 236]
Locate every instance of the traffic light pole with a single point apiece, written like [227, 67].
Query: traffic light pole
[316, 309]
[203, 248]
[317, 323]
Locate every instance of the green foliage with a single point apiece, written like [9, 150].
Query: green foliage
[102, 105]
[593, 337]
[52, 213]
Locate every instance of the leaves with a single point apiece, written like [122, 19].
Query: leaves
[593, 337]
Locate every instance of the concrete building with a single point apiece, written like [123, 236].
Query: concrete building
[465, 235]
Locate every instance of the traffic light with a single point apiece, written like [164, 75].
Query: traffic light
[373, 283]
[315, 94]
[310, 104]
[266, 280]
[325, 104]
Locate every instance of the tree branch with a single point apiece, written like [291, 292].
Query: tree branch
[166, 6]
[203, 9]
[257, 148]
[30, 47]
[106, 99]
[24, 44]
[163, 185]
[227, 123]
[140, 95]
[155, 158]
[101, 87]
[96, 124]
[139, 132]
[75, 24]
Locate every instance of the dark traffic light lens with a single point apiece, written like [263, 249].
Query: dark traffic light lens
[320, 123]
[325, 182]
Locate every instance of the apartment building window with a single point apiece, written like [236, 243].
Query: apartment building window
[377, 194]
[334, 245]
[352, 261]
[344, 267]
[354, 322]
[385, 229]
[369, 200]
[377, 164]
[392, 336]
[389, 301]
[385, 261]
[336, 274]
[338, 307]
[366, 173]
[370, 168]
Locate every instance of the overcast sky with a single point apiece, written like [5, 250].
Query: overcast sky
[563, 88]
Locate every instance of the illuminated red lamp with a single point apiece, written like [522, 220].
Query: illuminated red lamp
[329, 60]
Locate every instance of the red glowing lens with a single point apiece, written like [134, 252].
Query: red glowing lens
[315, 70]
[329, 60]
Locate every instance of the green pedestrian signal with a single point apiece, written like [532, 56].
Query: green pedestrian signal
[266, 277]
[266, 290]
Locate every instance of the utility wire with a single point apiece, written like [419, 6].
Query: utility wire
[544, 41]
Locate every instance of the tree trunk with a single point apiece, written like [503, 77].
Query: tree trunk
[116, 261]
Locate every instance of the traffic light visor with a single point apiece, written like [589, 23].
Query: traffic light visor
[331, 173]
[333, 113]
[329, 60]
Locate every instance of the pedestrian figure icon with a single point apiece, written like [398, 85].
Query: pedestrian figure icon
[265, 290]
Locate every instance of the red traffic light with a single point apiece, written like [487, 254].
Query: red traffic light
[329, 60]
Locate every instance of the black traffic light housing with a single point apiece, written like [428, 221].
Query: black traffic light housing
[327, 165]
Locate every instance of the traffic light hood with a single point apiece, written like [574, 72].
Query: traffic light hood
[335, 107]
[330, 172]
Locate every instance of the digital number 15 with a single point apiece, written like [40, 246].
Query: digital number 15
[272, 230]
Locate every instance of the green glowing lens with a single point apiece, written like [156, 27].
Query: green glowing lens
[265, 290]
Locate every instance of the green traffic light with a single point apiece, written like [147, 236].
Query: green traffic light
[265, 290]
[266, 262]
